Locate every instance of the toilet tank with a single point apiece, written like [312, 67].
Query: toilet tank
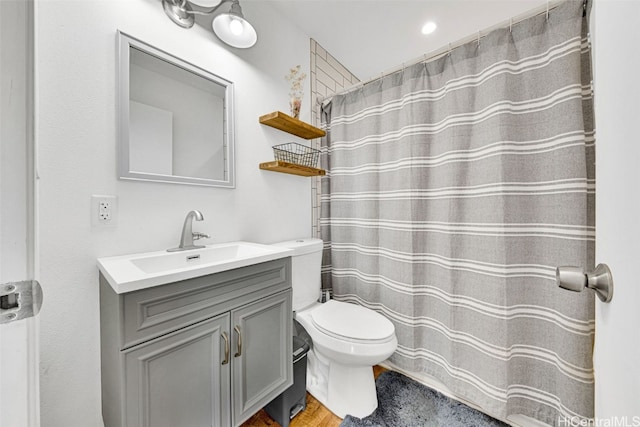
[305, 270]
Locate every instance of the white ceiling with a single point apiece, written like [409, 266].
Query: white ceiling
[372, 36]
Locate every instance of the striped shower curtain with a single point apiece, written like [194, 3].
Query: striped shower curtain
[454, 189]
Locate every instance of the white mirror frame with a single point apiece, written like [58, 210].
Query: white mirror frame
[125, 43]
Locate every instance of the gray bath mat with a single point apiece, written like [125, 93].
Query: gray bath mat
[403, 402]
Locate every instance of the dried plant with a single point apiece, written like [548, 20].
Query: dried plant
[296, 77]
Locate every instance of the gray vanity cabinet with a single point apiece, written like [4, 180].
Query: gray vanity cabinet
[261, 369]
[209, 351]
[177, 380]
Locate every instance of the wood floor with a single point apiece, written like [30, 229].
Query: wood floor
[316, 415]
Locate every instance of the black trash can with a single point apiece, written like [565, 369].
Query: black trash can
[294, 399]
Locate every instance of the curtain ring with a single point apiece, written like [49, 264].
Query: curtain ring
[510, 24]
[478, 37]
[449, 52]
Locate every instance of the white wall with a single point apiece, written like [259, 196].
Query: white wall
[76, 137]
[617, 90]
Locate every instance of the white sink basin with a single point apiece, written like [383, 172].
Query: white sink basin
[128, 273]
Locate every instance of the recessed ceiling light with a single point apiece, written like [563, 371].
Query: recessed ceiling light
[429, 27]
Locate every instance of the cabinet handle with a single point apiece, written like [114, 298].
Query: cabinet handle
[237, 329]
[225, 337]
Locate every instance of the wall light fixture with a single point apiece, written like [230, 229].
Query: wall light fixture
[230, 27]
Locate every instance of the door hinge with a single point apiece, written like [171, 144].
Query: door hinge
[19, 300]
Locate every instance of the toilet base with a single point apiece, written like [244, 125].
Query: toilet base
[343, 389]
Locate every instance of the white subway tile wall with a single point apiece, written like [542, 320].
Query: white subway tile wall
[328, 76]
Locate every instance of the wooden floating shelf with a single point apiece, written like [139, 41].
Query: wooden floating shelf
[291, 168]
[286, 123]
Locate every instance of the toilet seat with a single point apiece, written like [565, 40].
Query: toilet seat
[347, 350]
[352, 323]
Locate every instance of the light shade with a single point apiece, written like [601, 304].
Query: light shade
[230, 27]
[234, 30]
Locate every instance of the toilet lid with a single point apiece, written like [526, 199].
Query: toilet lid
[352, 322]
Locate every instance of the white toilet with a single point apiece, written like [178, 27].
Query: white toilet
[347, 339]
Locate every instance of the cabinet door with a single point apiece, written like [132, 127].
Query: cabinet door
[179, 379]
[262, 344]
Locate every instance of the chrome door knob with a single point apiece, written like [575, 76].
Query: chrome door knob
[575, 279]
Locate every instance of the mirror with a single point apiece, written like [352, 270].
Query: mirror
[175, 119]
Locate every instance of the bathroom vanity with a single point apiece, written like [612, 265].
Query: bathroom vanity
[209, 350]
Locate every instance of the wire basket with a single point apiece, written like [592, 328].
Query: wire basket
[296, 153]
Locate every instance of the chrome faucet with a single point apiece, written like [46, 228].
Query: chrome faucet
[188, 235]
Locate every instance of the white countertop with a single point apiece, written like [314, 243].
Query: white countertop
[127, 273]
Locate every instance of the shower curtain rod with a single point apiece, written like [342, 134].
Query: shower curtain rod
[435, 54]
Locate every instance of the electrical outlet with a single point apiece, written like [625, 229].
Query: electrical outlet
[104, 217]
[103, 210]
